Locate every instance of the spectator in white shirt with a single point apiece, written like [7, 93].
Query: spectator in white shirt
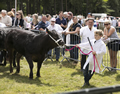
[7, 20]
[87, 31]
[58, 29]
[70, 18]
[114, 22]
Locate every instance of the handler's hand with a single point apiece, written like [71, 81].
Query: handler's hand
[104, 36]
[77, 45]
[93, 52]
[65, 33]
[62, 25]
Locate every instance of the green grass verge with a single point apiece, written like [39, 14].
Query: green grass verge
[54, 79]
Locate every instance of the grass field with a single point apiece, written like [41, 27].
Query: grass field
[54, 79]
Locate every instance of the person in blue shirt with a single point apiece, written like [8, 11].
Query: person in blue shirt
[42, 25]
[63, 23]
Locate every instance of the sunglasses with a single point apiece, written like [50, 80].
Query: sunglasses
[106, 24]
[17, 14]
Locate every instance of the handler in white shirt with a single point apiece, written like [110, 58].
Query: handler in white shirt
[87, 31]
[58, 29]
[99, 49]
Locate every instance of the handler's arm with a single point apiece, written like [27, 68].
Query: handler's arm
[41, 29]
[102, 50]
[77, 30]
[105, 31]
[112, 30]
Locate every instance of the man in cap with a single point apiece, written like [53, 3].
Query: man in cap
[87, 31]
[58, 29]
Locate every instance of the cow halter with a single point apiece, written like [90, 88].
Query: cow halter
[56, 41]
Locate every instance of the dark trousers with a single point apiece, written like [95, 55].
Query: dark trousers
[74, 52]
[87, 74]
[49, 52]
[83, 60]
[119, 29]
[57, 52]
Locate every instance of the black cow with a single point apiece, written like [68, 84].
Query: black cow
[32, 46]
[3, 32]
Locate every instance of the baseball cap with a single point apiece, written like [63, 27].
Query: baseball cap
[53, 19]
[70, 14]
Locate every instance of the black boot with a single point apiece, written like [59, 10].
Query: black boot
[86, 84]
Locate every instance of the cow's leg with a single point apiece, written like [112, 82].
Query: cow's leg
[39, 64]
[29, 60]
[1, 57]
[18, 62]
[10, 54]
[5, 56]
[14, 56]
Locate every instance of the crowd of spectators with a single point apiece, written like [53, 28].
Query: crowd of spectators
[73, 29]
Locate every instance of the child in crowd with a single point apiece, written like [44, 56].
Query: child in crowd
[99, 49]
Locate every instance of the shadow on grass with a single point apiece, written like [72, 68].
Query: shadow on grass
[107, 73]
[4, 69]
[78, 72]
[63, 64]
[50, 62]
[118, 77]
[91, 86]
[20, 78]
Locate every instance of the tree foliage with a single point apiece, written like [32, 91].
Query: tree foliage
[110, 7]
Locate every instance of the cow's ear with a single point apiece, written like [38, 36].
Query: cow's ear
[49, 32]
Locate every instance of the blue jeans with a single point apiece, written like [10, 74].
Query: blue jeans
[49, 52]
[87, 74]
[63, 50]
[74, 52]
[57, 52]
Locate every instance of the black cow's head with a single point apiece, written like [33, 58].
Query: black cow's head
[57, 38]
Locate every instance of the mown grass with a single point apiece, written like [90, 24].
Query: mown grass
[54, 79]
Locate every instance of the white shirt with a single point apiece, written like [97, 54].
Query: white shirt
[7, 20]
[86, 32]
[68, 25]
[56, 27]
[2, 25]
[100, 49]
[28, 19]
[114, 23]
[68, 36]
